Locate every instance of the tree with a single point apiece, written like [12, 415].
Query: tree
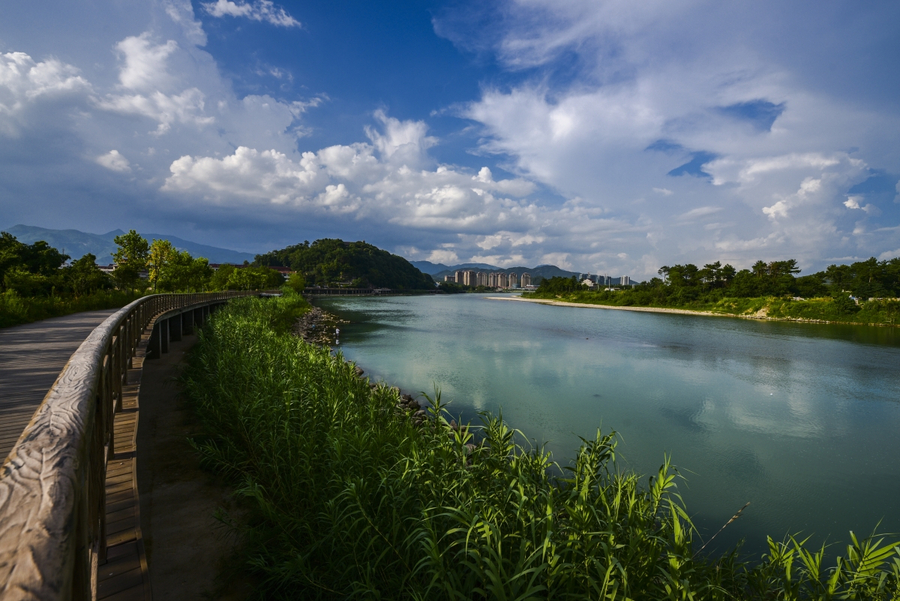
[296, 282]
[184, 273]
[131, 259]
[84, 277]
[160, 254]
[219, 280]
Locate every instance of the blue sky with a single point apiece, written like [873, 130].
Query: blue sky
[600, 136]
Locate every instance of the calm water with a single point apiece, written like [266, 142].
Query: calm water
[800, 420]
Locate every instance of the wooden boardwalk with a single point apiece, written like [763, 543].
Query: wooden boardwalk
[31, 357]
[125, 576]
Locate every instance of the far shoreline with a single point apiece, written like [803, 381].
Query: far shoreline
[759, 316]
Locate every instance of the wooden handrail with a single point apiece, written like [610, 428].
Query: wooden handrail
[52, 488]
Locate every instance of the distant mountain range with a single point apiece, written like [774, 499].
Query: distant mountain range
[439, 270]
[76, 244]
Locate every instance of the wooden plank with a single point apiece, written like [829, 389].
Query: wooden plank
[46, 532]
[31, 357]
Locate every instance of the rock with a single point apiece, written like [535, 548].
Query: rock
[419, 413]
[359, 371]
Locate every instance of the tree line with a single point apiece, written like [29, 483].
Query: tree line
[683, 284]
[39, 270]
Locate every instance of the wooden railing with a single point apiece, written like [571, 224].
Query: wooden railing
[52, 488]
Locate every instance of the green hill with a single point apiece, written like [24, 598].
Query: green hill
[357, 264]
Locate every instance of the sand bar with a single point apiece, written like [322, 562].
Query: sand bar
[544, 301]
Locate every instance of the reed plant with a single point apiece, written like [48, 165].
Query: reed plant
[345, 496]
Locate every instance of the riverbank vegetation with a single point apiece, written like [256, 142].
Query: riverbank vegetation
[346, 494]
[863, 292]
[37, 281]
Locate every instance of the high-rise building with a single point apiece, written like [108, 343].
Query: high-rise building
[492, 280]
[460, 277]
[513, 280]
[502, 280]
[481, 279]
[626, 280]
[526, 279]
[469, 277]
[449, 278]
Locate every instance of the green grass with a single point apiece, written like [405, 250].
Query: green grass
[344, 497]
[16, 310]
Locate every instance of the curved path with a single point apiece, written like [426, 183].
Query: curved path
[31, 357]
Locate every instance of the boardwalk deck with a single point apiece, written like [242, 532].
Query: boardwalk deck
[125, 576]
[31, 357]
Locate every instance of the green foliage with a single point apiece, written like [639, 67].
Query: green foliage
[131, 258]
[296, 282]
[770, 289]
[16, 310]
[451, 287]
[84, 277]
[559, 285]
[184, 273]
[333, 262]
[345, 497]
[159, 256]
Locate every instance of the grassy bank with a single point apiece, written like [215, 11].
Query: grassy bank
[823, 309]
[345, 496]
[16, 310]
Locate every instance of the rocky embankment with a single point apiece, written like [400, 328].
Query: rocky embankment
[318, 327]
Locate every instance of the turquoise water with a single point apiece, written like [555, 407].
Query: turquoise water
[800, 420]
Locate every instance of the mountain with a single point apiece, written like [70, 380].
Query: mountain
[75, 244]
[327, 262]
[537, 273]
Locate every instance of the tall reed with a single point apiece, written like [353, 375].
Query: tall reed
[345, 497]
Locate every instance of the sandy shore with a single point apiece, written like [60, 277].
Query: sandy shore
[642, 309]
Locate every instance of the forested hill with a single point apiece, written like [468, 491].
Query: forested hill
[357, 264]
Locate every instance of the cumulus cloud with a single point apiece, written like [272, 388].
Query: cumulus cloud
[602, 105]
[27, 87]
[666, 91]
[114, 161]
[262, 10]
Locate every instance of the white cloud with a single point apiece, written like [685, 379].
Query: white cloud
[26, 85]
[114, 161]
[144, 65]
[446, 257]
[403, 142]
[700, 212]
[853, 202]
[262, 10]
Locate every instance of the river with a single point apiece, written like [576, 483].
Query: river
[800, 420]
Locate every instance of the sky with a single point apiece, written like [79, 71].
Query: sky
[601, 136]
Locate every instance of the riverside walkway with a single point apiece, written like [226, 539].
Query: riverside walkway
[70, 525]
[31, 357]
